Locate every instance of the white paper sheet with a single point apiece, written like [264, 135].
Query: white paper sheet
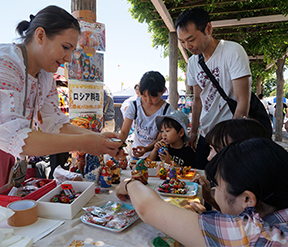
[38, 230]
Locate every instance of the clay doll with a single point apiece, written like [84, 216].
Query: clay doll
[141, 172]
[105, 177]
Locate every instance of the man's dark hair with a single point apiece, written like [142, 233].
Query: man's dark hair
[198, 16]
[260, 96]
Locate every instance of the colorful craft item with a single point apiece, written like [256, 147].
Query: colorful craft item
[172, 173]
[67, 194]
[163, 149]
[110, 163]
[123, 163]
[162, 173]
[105, 177]
[173, 186]
[132, 164]
[115, 161]
[141, 171]
[186, 172]
[115, 174]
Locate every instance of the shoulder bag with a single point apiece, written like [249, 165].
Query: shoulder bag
[257, 110]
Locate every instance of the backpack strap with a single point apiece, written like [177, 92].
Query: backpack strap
[134, 103]
[164, 112]
[166, 108]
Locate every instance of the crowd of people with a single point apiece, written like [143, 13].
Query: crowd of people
[246, 167]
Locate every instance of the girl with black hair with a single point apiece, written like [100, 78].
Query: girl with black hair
[144, 111]
[251, 191]
[220, 136]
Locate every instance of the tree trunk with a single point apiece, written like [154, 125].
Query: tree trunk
[85, 9]
[173, 66]
[279, 99]
[258, 86]
[83, 5]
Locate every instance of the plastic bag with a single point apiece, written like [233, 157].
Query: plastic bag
[62, 175]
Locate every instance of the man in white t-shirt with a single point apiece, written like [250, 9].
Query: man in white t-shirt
[227, 61]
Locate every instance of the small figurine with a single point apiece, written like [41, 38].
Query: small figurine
[123, 163]
[132, 164]
[92, 72]
[105, 177]
[86, 69]
[162, 149]
[115, 174]
[172, 171]
[147, 163]
[141, 172]
[162, 173]
[80, 161]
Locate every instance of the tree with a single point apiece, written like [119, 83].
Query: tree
[269, 41]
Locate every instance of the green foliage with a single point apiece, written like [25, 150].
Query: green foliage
[267, 40]
[269, 86]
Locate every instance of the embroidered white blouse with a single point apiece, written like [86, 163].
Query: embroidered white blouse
[14, 127]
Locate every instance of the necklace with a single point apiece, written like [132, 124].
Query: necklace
[39, 116]
[24, 52]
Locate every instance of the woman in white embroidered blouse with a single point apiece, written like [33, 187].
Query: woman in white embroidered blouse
[49, 39]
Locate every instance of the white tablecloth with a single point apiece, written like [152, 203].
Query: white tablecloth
[138, 234]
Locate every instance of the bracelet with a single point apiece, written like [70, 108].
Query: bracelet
[132, 179]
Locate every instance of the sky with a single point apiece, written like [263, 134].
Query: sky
[129, 52]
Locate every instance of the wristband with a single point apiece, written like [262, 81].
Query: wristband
[132, 179]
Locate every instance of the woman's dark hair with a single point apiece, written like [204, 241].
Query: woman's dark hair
[53, 19]
[171, 123]
[231, 130]
[136, 86]
[198, 16]
[153, 82]
[258, 165]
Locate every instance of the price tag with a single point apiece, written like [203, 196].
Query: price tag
[66, 186]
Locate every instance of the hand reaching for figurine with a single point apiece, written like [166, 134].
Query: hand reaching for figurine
[120, 190]
[138, 151]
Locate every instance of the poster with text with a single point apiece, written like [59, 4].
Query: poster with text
[85, 96]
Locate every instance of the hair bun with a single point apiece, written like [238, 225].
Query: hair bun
[32, 17]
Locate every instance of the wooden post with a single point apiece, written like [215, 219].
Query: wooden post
[86, 10]
[279, 99]
[90, 5]
[173, 67]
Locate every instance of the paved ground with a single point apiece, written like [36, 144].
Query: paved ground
[284, 142]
